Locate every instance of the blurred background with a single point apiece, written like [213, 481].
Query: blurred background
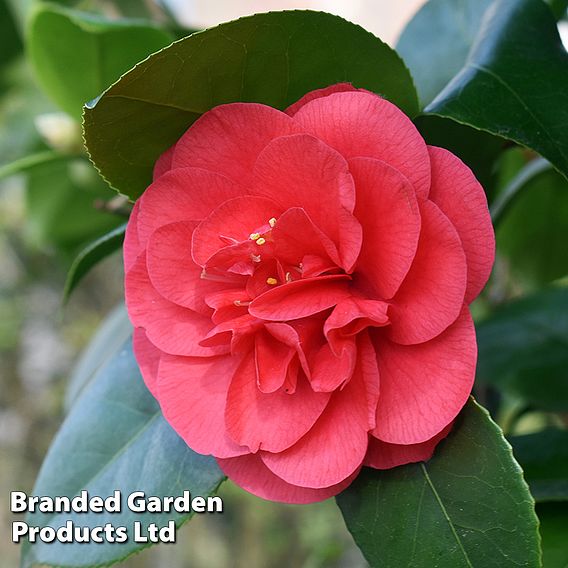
[60, 205]
[46, 217]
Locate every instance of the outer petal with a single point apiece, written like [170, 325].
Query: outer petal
[148, 358]
[132, 248]
[318, 93]
[388, 212]
[169, 327]
[228, 138]
[423, 387]
[164, 163]
[183, 195]
[192, 392]
[269, 421]
[251, 474]
[432, 294]
[301, 171]
[364, 124]
[301, 298]
[172, 270]
[382, 455]
[334, 447]
[460, 196]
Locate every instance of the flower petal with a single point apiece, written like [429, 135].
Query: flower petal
[423, 387]
[301, 298]
[272, 359]
[456, 191]
[172, 270]
[235, 219]
[229, 138]
[269, 421]
[185, 194]
[333, 448]
[302, 171]
[382, 455]
[389, 214]
[362, 124]
[432, 294]
[131, 248]
[250, 473]
[169, 327]
[148, 358]
[326, 91]
[164, 163]
[192, 392]
[295, 235]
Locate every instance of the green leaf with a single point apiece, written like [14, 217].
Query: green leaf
[523, 349]
[109, 338]
[90, 256]
[115, 438]
[516, 186]
[533, 224]
[436, 42]
[10, 42]
[544, 459]
[467, 507]
[61, 206]
[515, 80]
[553, 522]
[77, 55]
[272, 58]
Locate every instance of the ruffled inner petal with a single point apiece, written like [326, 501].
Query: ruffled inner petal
[272, 421]
[169, 327]
[301, 171]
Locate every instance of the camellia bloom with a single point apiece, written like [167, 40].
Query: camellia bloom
[298, 282]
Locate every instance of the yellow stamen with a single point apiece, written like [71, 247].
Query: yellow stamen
[271, 281]
[260, 241]
[272, 221]
[254, 236]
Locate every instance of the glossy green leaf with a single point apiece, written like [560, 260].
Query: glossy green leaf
[515, 80]
[109, 338]
[77, 55]
[10, 42]
[467, 507]
[523, 349]
[533, 225]
[553, 523]
[436, 42]
[272, 58]
[92, 254]
[115, 438]
[544, 459]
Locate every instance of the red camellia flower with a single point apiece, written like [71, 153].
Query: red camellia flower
[298, 282]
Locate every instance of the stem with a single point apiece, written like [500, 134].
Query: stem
[31, 162]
